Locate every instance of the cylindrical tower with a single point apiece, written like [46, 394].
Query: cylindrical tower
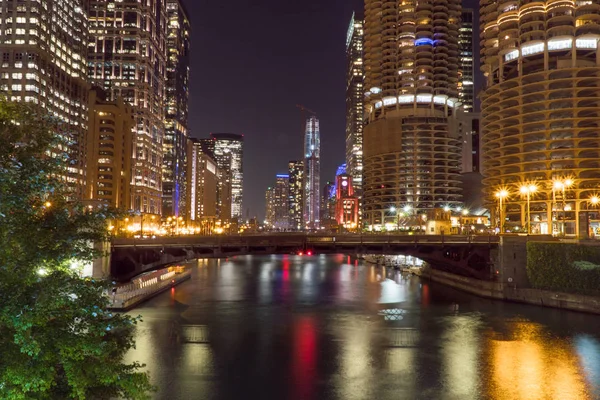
[411, 141]
[541, 110]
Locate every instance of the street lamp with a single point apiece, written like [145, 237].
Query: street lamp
[528, 190]
[562, 185]
[501, 195]
[594, 201]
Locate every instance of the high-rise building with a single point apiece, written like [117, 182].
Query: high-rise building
[355, 93]
[127, 57]
[270, 208]
[411, 142]
[43, 46]
[280, 203]
[176, 118]
[312, 171]
[109, 142]
[466, 77]
[296, 203]
[540, 111]
[346, 203]
[327, 207]
[202, 177]
[228, 151]
[471, 152]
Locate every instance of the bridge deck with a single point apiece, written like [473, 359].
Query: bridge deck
[301, 240]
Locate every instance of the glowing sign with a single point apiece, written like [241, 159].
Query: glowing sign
[423, 42]
[587, 43]
[511, 55]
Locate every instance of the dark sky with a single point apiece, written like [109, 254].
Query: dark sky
[252, 62]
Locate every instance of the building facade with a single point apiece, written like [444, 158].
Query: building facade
[270, 208]
[466, 78]
[176, 115]
[355, 76]
[312, 171]
[43, 45]
[127, 57]
[228, 151]
[296, 203]
[280, 218]
[202, 177]
[411, 143]
[109, 142]
[471, 143]
[327, 204]
[540, 112]
[346, 203]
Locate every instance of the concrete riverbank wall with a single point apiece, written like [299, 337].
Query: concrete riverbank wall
[507, 292]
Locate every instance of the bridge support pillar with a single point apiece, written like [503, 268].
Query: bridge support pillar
[511, 263]
[101, 265]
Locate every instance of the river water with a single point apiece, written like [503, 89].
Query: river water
[292, 327]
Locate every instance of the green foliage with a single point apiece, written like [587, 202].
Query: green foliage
[564, 267]
[57, 340]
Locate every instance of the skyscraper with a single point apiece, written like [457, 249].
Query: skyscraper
[270, 207]
[346, 203]
[466, 79]
[312, 171]
[540, 111]
[43, 46]
[127, 57]
[108, 149]
[201, 187]
[296, 174]
[355, 76]
[176, 119]
[228, 150]
[280, 203]
[411, 143]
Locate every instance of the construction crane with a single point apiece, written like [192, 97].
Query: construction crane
[305, 110]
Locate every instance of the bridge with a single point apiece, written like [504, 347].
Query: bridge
[472, 256]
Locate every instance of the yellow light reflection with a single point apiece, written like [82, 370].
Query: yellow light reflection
[531, 366]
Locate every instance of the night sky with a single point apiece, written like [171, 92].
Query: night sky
[252, 62]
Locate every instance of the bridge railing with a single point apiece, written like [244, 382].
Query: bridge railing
[299, 240]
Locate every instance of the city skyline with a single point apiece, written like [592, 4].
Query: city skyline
[259, 99]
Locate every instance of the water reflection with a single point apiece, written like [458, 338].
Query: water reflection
[290, 327]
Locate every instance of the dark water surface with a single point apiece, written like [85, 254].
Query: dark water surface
[290, 327]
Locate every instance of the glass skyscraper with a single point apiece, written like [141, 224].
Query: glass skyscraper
[43, 47]
[355, 93]
[176, 118]
[312, 171]
[127, 57]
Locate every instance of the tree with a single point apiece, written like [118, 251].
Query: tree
[57, 339]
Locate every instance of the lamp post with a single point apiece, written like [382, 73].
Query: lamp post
[562, 185]
[594, 201]
[393, 210]
[528, 190]
[501, 195]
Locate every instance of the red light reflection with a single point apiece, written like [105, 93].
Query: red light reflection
[305, 357]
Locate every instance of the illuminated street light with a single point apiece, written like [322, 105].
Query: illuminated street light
[501, 195]
[48, 204]
[562, 185]
[406, 208]
[528, 190]
[446, 209]
[465, 212]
